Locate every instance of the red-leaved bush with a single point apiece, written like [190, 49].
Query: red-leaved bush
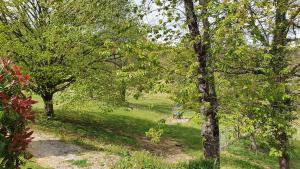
[15, 114]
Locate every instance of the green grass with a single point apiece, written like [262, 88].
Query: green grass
[120, 127]
[120, 131]
[33, 165]
[138, 160]
[80, 163]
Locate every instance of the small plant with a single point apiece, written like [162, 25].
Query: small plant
[155, 133]
[81, 163]
[15, 113]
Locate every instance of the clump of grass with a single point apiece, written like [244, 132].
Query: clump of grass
[80, 163]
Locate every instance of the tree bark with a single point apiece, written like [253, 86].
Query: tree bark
[284, 162]
[284, 159]
[48, 105]
[205, 82]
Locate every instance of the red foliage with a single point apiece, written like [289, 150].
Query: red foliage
[23, 107]
[4, 98]
[13, 101]
[20, 141]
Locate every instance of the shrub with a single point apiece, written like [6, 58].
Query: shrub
[154, 135]
[15, 114]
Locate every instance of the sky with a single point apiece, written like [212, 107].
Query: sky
[153, 17]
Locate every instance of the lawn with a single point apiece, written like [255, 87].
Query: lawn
[122, 132]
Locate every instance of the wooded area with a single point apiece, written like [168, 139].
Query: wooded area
[206, 83]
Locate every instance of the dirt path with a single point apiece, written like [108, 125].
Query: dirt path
[50, 152]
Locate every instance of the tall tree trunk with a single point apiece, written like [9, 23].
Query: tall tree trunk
[206, 82]
[48, 105]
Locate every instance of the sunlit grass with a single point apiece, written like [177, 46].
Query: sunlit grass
[118, 132]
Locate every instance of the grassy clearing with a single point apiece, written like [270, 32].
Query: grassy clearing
[122, 131]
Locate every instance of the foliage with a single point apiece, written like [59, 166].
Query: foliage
[252, 60]
[60, 42]
[245, 75]
[133, 70]
[267, 99]
[155, 134]
[14, 115]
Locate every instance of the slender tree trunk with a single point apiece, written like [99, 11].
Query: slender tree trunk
[238, 130]
[48, 105]
[206, 82]
[284, 159]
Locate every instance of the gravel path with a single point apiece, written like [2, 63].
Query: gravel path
[50, 152]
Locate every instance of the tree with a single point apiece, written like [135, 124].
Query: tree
[280, 71]
[55, 40]
[269, 38]
[200, 38]
[127, 63]
[131, 68]
[206, 81]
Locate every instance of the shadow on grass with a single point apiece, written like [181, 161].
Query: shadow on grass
[115, 129]
[46, 148]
